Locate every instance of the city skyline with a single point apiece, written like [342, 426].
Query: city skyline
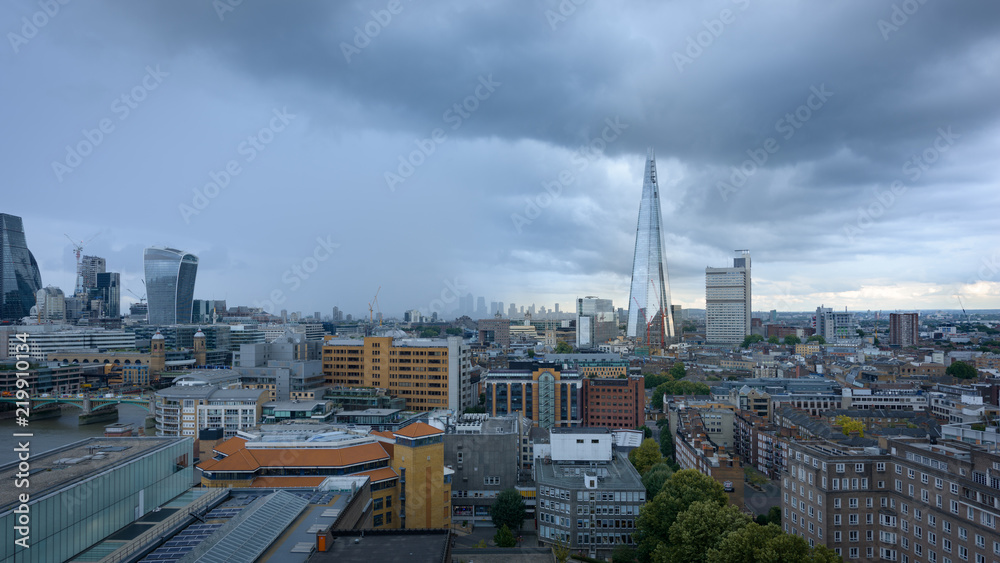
[857, 171]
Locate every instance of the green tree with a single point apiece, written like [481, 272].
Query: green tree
[645, 456]
[754, 543]
[699, 528]
[663, 422]
[861, 333]
[678, 371]
[531, 353]
[504, 537]
[750, 339]
[654, 479]
[623, 554]
[679, 491]
[647, 432]
[430, 332]
[678, 388]
[454, 331]
[848, 425]
[816, 338]
[508, 510]
[962, 370]
[774, 515]
[482, 399]
[773, 340]
[563, 348]
[792, 340]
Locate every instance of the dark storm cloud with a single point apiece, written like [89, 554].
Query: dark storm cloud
[847, 95]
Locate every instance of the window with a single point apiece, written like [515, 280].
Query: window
[836, 537]
[852, 519]
[836, 503]
[836, 519]
[859, 468]
[963, 533]
[854, 553]
[938, 483]
[853, 536]
[880, 466]
[378, 520]
[840, 468]
[852, 503]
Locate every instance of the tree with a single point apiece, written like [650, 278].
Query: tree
[531, 353]
[773, 340]
[647, 432]
[645, 456]
[504, 537]
[482, 399]
[750, 339]
[679, 491]
[817, 338]
[654, 479]
[563, 348]
[508, 510]
[678, 388]
[699, 528]
[962, 370]
[454, 331]
[754, 543]
[663, 422]
[792, 340]
[678, 371]
[623, 554]
[861, 333]
[774, 515]
[848, 425]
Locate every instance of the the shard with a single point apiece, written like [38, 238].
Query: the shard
[649, 312]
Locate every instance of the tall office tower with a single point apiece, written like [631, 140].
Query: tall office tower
[170, 276]
[19, 276]
[512, 311]
[481, 312]
[649, 316]
[557, 308]
[50, 304]
[90, 266]
[834, 325]
[108, 285]
[677, 313]
[727, 301]
[595, 322]
[903, 329]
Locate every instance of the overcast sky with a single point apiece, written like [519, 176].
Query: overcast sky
[407, 145]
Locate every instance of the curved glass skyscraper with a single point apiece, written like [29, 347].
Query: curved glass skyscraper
[649, 317]
[170, 275]
[19, 276]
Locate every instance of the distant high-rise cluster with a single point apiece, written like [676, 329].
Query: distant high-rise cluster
[649, 317]
[728, 301]
[595, 322]
[20, 279]
[170, 277]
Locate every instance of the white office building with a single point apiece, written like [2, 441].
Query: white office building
[727, 301]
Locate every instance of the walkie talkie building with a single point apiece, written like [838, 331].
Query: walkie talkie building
[649, 317]
[170, 275]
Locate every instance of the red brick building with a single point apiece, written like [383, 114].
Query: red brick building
[613, 402]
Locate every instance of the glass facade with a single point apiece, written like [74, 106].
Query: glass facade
[170, 277]
[649, 300]
[77, 516]
[19, 276]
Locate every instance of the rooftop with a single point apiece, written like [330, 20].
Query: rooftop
[616, 474]
[418, 430]
[412, 546]
[62, 467]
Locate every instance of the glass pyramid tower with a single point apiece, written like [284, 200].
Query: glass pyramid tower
[649, 313]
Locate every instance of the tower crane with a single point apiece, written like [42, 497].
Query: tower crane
[78, 251]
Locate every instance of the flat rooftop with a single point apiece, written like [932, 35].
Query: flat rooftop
[390, 545]
[62, 467]
[616, 474]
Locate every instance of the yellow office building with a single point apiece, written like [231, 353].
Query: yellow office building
[428, 373]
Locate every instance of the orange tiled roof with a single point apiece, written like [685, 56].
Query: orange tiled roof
[380, 474]
[250, 460]
[277, 482]
[418, 430]
[384, 434]
[230, 446]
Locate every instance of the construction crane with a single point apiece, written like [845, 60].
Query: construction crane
[371, 309]
[967, 319]
[78, 251]
[141, 299]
